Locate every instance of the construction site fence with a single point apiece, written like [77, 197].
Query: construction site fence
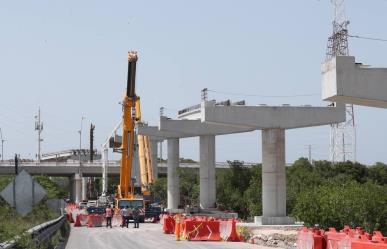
[200, 228]
[348, 238]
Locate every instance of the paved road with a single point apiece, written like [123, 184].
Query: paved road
[147, 236]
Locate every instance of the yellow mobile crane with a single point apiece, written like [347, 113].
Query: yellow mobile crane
[126, 193]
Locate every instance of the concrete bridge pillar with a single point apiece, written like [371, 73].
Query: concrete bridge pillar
[154, 157]
[207, 172]
[76, 192]
[84, 188]
[173, 190]
[105, 163]
[274, 178]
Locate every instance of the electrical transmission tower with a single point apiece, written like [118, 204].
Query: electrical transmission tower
[343, 135]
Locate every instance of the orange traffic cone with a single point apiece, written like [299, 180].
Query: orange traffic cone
[233, 235]
[77, 221]
[71, 219]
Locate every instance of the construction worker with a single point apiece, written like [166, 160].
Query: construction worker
[125, 215]
[109, 216]
[136, 217]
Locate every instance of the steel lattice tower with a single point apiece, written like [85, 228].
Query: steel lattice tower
[343, 135]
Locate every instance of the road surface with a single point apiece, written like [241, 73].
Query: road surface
[147, 236]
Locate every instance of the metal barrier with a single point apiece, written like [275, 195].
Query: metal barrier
[38, 233]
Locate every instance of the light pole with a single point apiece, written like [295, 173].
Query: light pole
[2, 145]
[80, 146]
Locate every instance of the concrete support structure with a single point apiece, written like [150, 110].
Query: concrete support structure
[273, 176]
[105, 165]
[84, 188]
[76, 188]
[345, 81]
[273, 121]
[207, 172]
[154, 144]
[173, 129]
[173, 190]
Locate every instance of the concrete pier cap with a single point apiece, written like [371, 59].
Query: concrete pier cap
[345, 81]
[273, 121]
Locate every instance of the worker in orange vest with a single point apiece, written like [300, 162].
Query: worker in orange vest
[109, 216]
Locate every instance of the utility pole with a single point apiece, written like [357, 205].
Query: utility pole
[92, 127]
[39, 128]
[310, 153]
[16, 164]
[205, 94]
[80, 146]
[343, 135]
[2, 145]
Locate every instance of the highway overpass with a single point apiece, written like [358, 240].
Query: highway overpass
[89, 169]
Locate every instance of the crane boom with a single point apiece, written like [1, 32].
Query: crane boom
[125, 189]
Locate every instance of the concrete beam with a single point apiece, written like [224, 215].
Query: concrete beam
[345, 81]
[154, 133]
[193, 128]
[269, 117]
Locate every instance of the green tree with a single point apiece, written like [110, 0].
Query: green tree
[253, 194]
[231, 186]
[159, 190]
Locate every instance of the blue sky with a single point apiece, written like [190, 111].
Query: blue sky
[69, 58]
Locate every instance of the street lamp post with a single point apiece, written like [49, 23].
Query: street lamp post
[80, 146]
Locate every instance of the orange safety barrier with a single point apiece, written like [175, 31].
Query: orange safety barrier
[345, 239]
[116, 220]
[310, 239]
[168, 224]
[336, 240]
[378, 236]
[359, 244]
[204, 230]
[94, 220]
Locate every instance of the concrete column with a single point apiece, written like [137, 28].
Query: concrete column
[154, 158]
[136, 165]
[105, 165]
[84, 188]
[77, 188]
[273, 173]
[172, 176]
[207, 172]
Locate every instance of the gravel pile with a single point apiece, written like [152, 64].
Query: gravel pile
[275, 240]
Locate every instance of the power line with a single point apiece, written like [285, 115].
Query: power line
[263, 96]
[367, 38]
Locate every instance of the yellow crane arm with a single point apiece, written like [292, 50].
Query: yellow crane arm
[125, 189]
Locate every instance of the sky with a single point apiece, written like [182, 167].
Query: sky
[70, 59]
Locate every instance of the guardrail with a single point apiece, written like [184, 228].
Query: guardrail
[38, 233]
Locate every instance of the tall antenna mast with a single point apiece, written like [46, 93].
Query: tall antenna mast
[343, 135]
[39, 128]
[2, 145]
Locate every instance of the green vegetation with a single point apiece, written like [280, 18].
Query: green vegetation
[320, 194]
[12, 224]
